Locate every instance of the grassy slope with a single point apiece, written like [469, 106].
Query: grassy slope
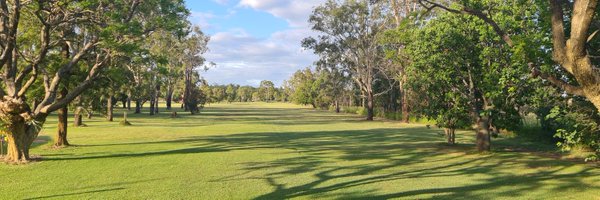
[275, 151]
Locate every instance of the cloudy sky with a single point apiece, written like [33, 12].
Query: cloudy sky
[254, 40]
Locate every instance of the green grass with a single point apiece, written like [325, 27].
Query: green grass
[281, 151]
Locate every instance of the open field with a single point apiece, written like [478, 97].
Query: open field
[280, 151]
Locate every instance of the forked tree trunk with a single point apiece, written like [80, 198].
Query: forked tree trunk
[20, 135]
[109, 108]
[370, 106]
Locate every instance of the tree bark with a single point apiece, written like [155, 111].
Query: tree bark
[138, 107]
[169, 98]
[450, 135]
[404, 97]
[78, 118]
[109, 108]
[20, 133]
[370, 106]
[151, 107]
[128, 103]
[63, 115]
[337, 106]
[483, 134]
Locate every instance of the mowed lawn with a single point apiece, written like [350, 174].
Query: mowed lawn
[283, 151]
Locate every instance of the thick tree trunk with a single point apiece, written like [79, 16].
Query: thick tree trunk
[370, 106]
[337, 106]
[18, 143]
[138, 107]
[124, 101]
[63, 115]
[483, 134]
[109, 108]
[20, 135]
[61, 135]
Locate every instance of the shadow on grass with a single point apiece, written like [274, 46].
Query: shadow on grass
[78, 193]
[386, 154]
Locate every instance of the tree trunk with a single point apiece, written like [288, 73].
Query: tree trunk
[169, 98]
[138, 107]
[450, 135]
[370, 106]
[156, 105]
[109, 108]
[63, 115]
[18, 143]
[78, 121]
[404, 97]
[61, 135]
[151, 107]
[124, 101]
[19, 134]
[337, 106]
[483, 134]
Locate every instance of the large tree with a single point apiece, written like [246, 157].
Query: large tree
[572, 36]
[348, 32]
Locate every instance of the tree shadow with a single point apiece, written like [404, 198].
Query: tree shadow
[77, 193]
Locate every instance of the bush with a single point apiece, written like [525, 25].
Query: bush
[578, 128]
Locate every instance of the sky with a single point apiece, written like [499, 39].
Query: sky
[254, 40]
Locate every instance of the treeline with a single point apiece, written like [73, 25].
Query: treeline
[481, 65]
[266, 92]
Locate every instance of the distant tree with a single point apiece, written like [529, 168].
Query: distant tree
[266, 90]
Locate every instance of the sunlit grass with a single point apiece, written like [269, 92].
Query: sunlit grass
[280, 151]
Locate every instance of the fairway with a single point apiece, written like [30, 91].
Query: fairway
[282, 151]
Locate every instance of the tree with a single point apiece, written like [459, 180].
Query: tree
[266, 90]
[100, 37]
[349, 33]
[196, 45]
[572, 54]
[231, 93]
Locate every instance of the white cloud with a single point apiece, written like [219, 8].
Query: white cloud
[243, 59]
[295, 12]
[202, 19]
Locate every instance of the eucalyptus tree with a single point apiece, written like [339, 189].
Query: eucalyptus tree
[266, 90]
[348, 31]
[30, 35]
[195, 45]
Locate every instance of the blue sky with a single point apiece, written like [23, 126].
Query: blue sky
[254, 40]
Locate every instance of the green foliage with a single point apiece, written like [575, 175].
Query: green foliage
[576, 125]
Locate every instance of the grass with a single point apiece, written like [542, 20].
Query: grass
[282, 151]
